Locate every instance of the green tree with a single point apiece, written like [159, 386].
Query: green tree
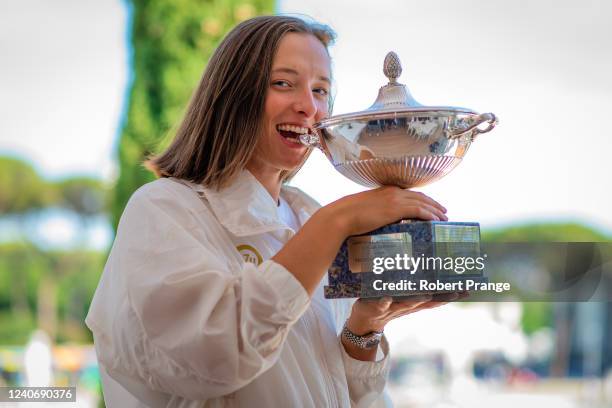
[172, 40]
[84, 195]
[22, 190]
[24, 195]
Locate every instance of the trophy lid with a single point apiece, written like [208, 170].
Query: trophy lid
[393, 98]
[394, 94]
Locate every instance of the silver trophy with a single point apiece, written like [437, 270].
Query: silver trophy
[398, 141]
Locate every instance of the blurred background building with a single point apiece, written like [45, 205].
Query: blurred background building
[89, 88]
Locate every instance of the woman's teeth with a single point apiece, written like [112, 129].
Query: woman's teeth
[292, 132]
[293, 128]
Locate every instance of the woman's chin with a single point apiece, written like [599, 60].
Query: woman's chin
[290, 168]
[293, 162]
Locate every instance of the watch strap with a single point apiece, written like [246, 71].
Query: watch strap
[366, 341]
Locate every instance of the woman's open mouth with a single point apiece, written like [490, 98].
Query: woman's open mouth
[291, 133]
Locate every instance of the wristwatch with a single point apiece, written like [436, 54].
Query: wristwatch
[367, 341]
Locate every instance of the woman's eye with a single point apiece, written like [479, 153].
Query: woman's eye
[282, 84]
[322, 91]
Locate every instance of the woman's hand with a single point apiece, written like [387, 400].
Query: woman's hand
[370, 315]
[310, 252]
[368, 210]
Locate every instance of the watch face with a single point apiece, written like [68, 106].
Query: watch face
[373, 340]
[371, 343]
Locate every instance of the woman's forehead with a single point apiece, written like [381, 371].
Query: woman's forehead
[303, 54]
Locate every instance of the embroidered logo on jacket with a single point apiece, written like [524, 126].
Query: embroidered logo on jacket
[250, 254]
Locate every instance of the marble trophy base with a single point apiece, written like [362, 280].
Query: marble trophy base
[351, 274]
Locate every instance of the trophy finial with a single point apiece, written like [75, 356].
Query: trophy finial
[392, 67]
[394, 94]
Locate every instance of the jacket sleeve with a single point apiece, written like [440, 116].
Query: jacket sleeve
[366, 379]
[170, 314]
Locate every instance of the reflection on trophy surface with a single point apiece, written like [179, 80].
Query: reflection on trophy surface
[398, 141]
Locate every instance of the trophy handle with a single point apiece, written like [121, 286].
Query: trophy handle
[316, 140]
[311, 140]
[470, 124]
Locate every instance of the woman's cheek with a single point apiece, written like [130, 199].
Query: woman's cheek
[322, 110]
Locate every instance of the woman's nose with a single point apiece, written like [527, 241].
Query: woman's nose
[305, 104]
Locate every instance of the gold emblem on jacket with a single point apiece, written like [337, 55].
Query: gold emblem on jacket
[250, 254]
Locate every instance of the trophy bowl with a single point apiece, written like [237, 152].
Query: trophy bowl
[398, 141]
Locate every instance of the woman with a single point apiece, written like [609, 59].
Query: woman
[212, 293]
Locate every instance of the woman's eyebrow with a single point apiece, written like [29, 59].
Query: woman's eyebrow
[294, 72]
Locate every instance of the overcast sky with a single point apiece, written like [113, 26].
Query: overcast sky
[542, 66]
[63, 77]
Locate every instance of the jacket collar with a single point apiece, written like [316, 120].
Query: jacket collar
[246, 208]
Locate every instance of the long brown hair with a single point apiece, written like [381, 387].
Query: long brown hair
[219, 131]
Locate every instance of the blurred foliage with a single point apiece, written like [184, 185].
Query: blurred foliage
[23, 191]
[21, 188]
[26, 273]
[172, 40]
[568, 232]
[537, 315]
[16, 329]
[85, 196]
[44, 288]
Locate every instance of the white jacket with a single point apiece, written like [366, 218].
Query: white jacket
[190, 311]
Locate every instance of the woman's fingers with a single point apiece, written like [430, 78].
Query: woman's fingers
[378, 304]
[424, 211]
[409, 305]
[464, 294]
[404, 307]
[446, 297]
[432, 305]
[414, 195]
[412, 204]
